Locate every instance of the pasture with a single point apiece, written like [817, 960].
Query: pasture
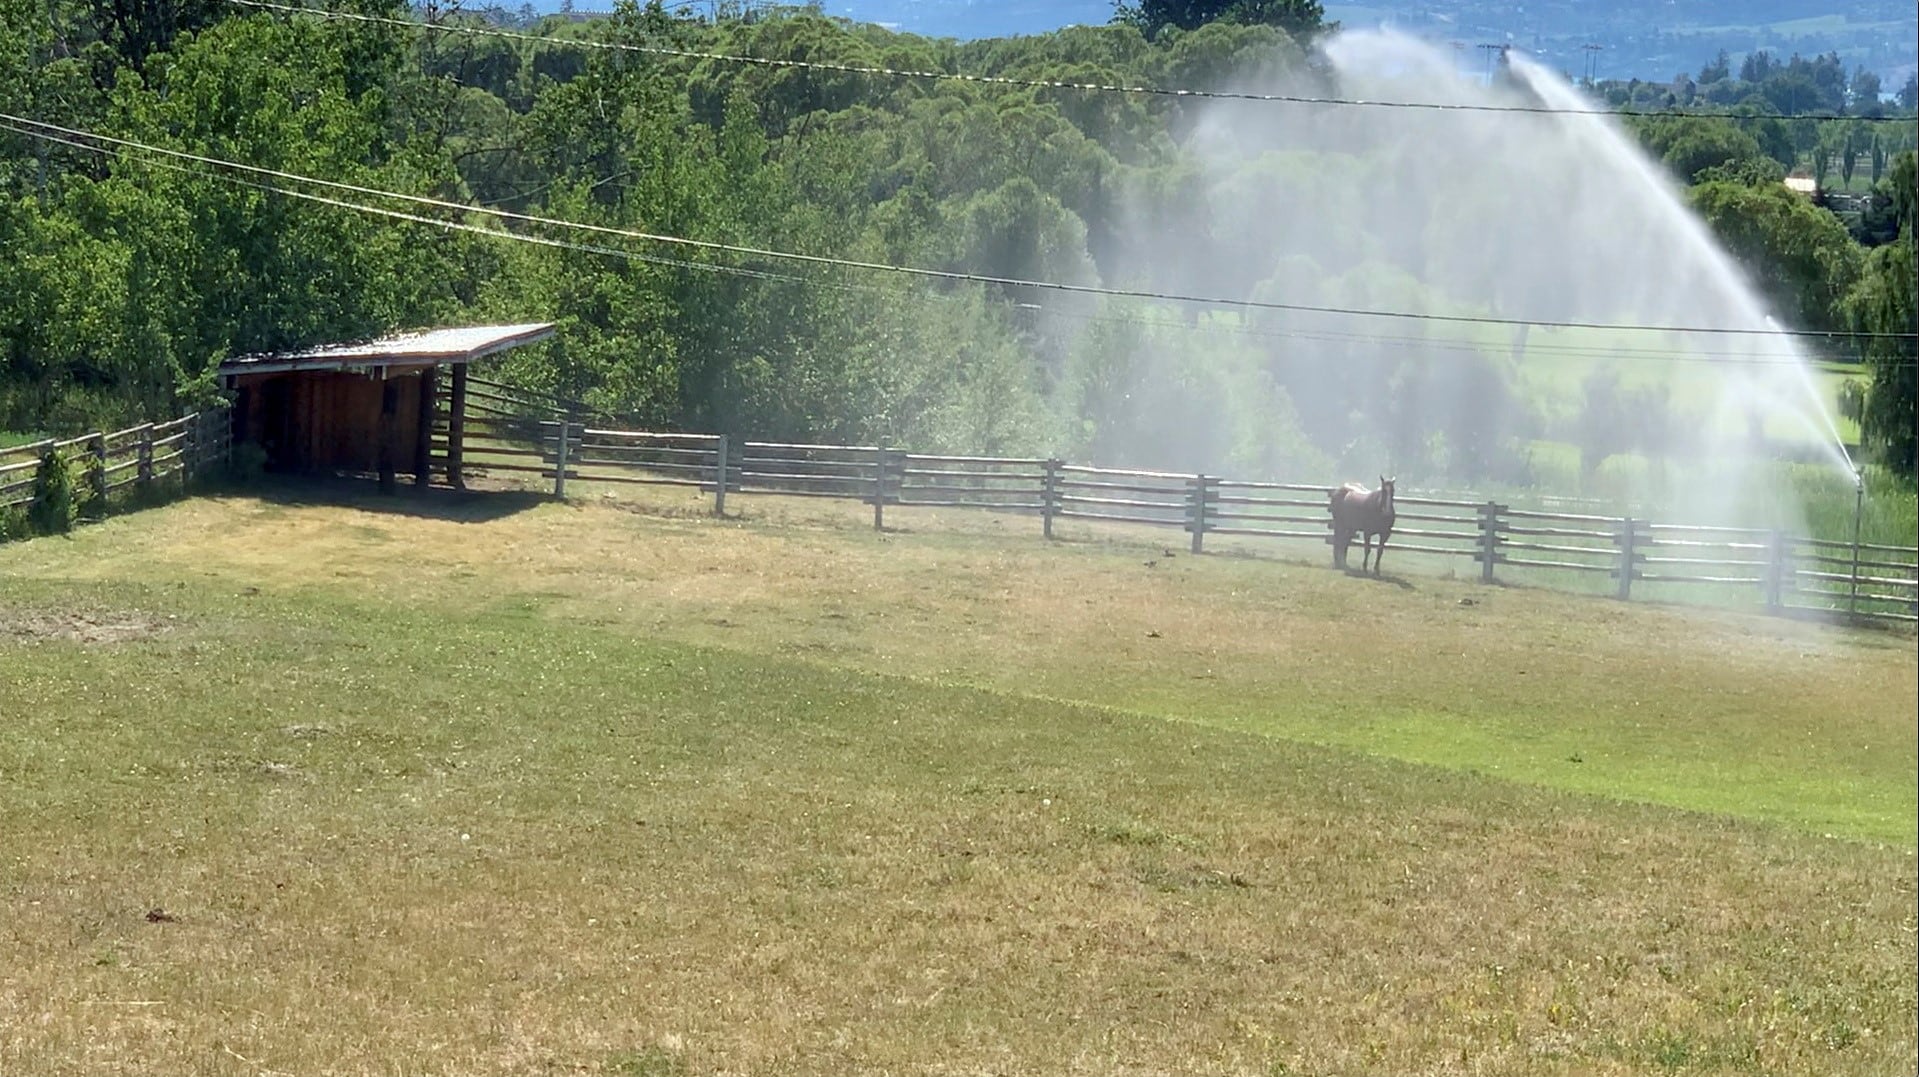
[503, 785]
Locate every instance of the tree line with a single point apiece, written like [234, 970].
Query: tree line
[130, 276]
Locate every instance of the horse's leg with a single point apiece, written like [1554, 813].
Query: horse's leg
[1368, 554]
[1381, 555]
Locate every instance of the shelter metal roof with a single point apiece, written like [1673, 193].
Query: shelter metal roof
[426, 347]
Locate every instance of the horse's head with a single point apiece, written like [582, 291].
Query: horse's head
[1386, 493]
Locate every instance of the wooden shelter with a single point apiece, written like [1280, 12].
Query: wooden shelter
[367, 407]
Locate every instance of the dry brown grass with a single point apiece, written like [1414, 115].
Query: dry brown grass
[579, 790]
[1632, 700]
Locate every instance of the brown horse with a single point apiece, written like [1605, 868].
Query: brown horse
[1365, 512]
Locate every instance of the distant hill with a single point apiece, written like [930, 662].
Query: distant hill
[1657, 39]
[1645, 39]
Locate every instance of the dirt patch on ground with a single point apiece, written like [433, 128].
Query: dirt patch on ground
[79, 626]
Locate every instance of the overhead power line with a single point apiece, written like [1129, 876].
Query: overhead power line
[1332, 336]
[1423, 344]
[1009, 80]
[74, 136]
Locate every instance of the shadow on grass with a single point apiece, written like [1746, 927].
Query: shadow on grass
[436, 502]
[1397, 581]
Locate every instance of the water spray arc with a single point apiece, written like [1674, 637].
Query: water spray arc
[1550, 215]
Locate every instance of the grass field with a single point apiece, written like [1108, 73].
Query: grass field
[509, 786]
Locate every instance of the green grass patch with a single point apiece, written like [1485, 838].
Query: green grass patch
[588, 790]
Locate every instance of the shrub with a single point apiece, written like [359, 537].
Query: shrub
[56, 503]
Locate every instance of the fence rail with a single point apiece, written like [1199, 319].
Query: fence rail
[1786, 573]
[149, 460]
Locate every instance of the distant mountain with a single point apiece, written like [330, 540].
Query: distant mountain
[1645, 39]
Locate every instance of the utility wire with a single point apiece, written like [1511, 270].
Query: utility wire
[1008, 80]
[1424, 344]
[437, 222]
[936, 274]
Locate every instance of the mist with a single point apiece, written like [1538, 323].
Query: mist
[1522, 217]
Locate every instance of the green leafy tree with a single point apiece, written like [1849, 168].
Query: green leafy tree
[1883, 304]
[1302, 19]
[1800, 255]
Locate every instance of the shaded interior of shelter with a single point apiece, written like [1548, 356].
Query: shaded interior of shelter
[366, 410]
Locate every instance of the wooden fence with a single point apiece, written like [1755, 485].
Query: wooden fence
[145, 461]
[508, 430]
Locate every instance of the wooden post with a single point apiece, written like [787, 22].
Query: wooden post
[1628, 532]
[1049, 495]
[144, 473]
[189, 444]
[423, 437]
[1488, 540]
[719, 486]
[879, 488]
[1858, 509]
[559, 473]
[389, 413]
[1196, 510]
[456, 430]
[1775, 568]
[99, 477]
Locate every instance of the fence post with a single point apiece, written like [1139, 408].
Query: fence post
[99, 477]
[1775, 568]
[1628, 533]
[1049, 496]
[1858, 511]
[143, 477]
[189, 431]
[1488, 540]
[559, 473]
[719, 488]
[1196, 510]
[879, 487]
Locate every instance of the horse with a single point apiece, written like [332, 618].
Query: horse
[1366, 512]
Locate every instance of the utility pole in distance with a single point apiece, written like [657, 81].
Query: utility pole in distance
[1491, 51]
[1592, 62]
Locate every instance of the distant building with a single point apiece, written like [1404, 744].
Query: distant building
[1805, 185]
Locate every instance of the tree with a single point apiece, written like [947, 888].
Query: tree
[1690, 145]
[136, 29]
[1757, 66]
[1909, 93]
[1865, 92]
[1800, 255]
[1883, 304]
[1718, 70]
[1302, 19]
[1793, 92]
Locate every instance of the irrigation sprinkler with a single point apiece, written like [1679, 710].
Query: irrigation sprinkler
[1858, 511]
